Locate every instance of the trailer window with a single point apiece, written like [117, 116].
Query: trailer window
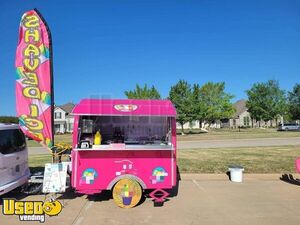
[11, 141]
[131, 130]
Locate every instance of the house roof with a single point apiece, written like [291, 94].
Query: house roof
[68, 107]
[115, 107]
[240, 107]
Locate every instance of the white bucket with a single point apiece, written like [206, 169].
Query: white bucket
[236, 173]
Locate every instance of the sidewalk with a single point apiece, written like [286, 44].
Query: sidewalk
[202, 199]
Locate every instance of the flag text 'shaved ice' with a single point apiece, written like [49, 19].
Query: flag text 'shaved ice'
[34, 86]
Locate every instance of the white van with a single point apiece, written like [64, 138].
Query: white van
[14, 171]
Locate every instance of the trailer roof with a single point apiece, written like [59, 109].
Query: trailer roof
[117, 107]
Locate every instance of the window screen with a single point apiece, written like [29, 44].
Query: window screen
[127, 129]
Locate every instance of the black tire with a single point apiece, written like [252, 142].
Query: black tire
[33, 189]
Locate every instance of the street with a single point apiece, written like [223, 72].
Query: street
[203, 144]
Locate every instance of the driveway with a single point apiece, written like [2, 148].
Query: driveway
[202, 199]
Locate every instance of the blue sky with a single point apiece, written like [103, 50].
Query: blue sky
[102, 48]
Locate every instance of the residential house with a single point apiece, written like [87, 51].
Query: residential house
[241, 117]
[63, 120]
[189, 125]
[195, 125]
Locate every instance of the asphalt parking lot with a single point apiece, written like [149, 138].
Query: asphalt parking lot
[202, 199]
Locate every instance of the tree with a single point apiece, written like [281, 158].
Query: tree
[255, 102]
[266, 101]
[9, 119]
[198, 106]
[181, 96]
[212, 102]
[294, 102]
[277, 101]
[143, 93]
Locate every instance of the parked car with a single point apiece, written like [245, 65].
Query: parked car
[288, 126]
[14, 171]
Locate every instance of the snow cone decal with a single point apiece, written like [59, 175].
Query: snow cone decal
[127, 193]
[158, 175]
[89, 176]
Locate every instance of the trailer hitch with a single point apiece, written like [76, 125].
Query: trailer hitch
[159, 196]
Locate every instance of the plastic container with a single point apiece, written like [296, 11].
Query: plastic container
[98, 138]
[236, 173]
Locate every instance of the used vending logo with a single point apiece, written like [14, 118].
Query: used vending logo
[31, 210]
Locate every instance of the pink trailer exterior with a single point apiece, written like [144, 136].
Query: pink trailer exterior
[138, 142]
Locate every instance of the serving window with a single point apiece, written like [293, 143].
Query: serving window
[126, 130]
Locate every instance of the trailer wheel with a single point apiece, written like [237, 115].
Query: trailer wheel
[127, 193]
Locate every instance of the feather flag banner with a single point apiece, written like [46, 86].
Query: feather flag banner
[34, 83]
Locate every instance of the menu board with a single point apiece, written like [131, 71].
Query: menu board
[55, 177]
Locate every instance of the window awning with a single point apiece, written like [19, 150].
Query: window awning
[133, 107]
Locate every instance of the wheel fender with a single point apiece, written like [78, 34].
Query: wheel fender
[128, 176]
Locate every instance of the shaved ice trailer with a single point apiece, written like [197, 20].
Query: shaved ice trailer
[127, 146]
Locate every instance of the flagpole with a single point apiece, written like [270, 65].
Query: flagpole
[51, 81]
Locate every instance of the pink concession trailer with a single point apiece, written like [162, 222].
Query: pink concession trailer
[127, 146]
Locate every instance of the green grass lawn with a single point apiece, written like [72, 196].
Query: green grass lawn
[37, 162]
[66, 138]
[255, 160]
[219, 134]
